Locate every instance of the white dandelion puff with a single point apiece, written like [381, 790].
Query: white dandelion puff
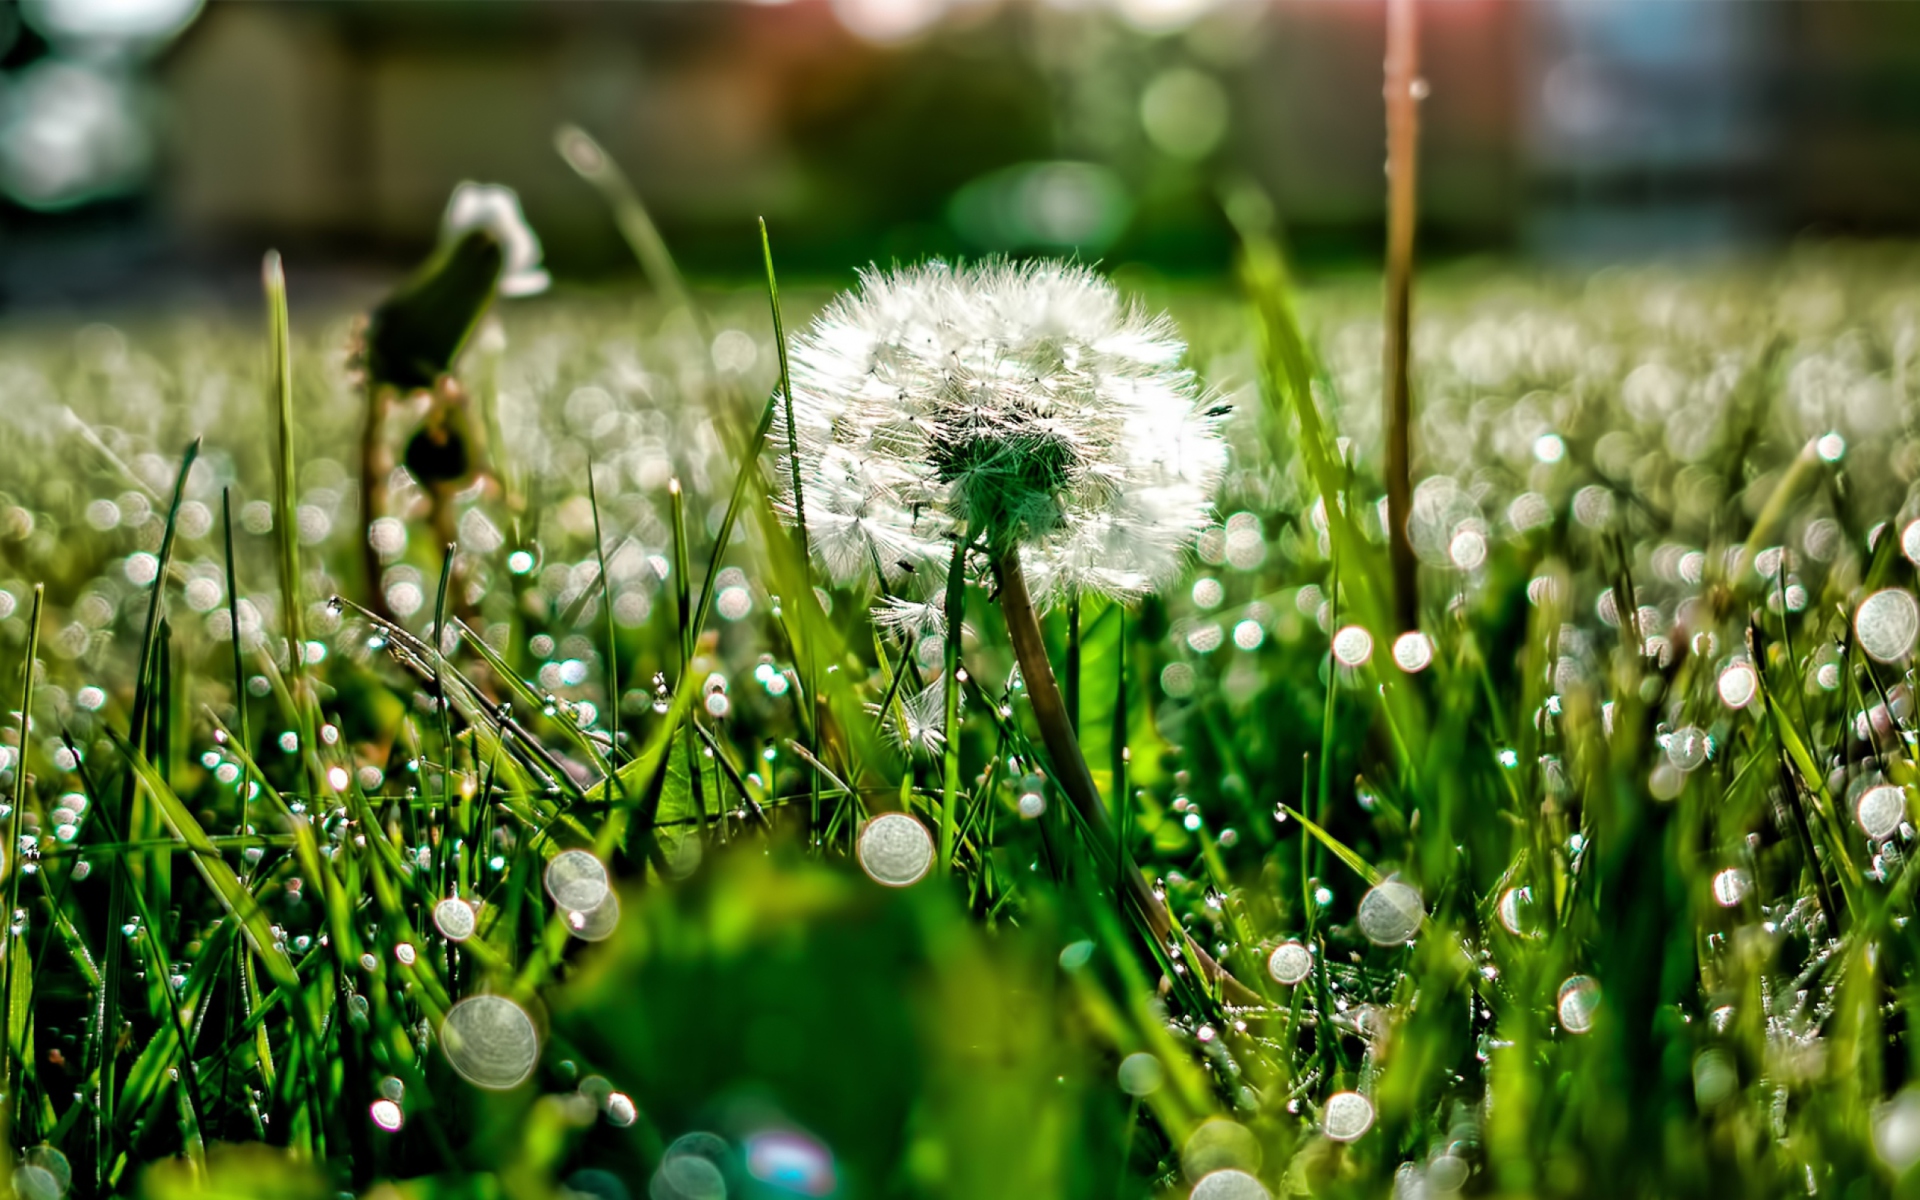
[913, 619]
[1027, 404]
[920, 726]
[496, 208]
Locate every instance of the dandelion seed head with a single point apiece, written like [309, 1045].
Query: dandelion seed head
[1029, 402]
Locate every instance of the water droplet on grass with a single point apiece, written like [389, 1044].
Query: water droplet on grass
[620, 1109]
[1579, 1000]
[1219, 1145]
[490, 1041]
[1896, 1130]
[1229, 1185]
[35, 1183]
[687, 1177]
[1887, 623]
[895, 849]
[791, 1162]
[1141, 1074]
[1515, 911]
[1391, 913]
[1413, 651]
[598, 925]
[1346, 1116]
[1738, 684]
[1687, 748]
[1881, 810]
[1289, 963]
[1352, 646]
[53, 1163]
[386, 1114]
[577, 881]
[1730, 887]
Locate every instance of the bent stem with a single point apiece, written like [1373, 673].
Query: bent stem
[1070, 765]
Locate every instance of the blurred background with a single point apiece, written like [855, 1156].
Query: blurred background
[150, 149]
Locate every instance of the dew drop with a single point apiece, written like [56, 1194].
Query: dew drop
[597, 925]
[1578, 1002]
[577, 881]
[1687, 748]
[1412, 651]
[1887, 623]
[1390, 914]
[1352, 646]
[1141, 1074]
[490, 1041]
[1289, 963]
[895, 849]
[1738, 684]
[1880, 811]
[1730, 887]
[1229, 1185]
[1346, 1116]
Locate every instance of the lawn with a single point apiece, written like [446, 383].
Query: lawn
[569, 826]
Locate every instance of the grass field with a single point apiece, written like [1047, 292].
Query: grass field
[1595, 885]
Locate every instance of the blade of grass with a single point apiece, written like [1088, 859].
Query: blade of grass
[592, 163]
[11, 859]
[285, 528]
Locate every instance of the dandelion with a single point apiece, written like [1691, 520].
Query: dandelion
[1007, 419]
[1021, 407]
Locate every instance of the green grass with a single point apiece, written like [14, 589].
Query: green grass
[230, 851]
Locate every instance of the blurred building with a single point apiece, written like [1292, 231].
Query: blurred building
[869, 129]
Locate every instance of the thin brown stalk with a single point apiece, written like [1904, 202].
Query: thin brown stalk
[1403, 89]
[1070, 765]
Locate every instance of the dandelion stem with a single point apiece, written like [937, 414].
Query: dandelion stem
[1069, 765]
[1403, 155]
[950, 747]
